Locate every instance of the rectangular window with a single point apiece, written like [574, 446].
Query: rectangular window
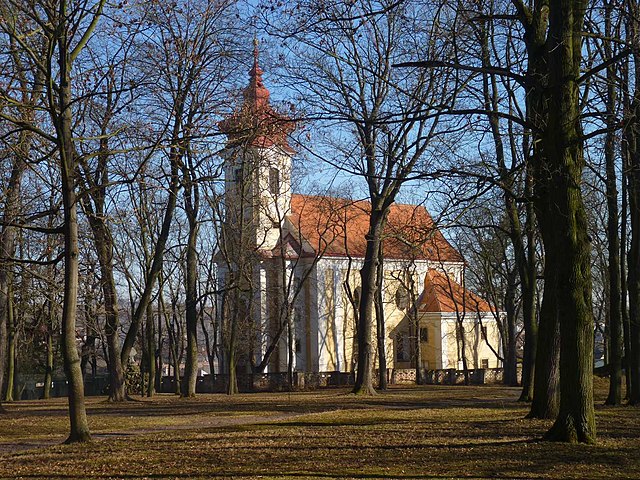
[484, 332]
[484, 363]
[402, 350]
[237, 174]
[424, 335]
[298, 346]
[274, 181]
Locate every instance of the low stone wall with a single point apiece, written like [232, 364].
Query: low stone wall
[265, 382]
[478, 376]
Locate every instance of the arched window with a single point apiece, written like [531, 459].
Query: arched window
[402, 297]
[274, 181]
[356, 296]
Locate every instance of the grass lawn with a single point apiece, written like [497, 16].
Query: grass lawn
[410, 432]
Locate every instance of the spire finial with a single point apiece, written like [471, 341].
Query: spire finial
[256, 52]
[256, 71]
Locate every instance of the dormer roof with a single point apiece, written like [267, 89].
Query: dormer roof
[443, 294]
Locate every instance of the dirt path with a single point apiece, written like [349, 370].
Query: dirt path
[202, 423]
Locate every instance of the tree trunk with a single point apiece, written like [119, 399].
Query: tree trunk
[11, 345]
[191, 364]
[159, 343]
[462, 345]
[563, 151]
[151, 351]
[623, 274]
[156, 264]
[511, 354]
[633, 282]
[529, 288]
[364, 383]
[380, 324]
[546, 393]
[232, 380]
[290, 344]
[79, 427]
[615, 302]
[7, 247]
[48, 372]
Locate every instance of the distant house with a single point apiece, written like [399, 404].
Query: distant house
[290, 266]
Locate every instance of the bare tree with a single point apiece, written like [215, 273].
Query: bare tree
[343, 57]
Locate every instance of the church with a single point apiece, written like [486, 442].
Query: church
[289, 268]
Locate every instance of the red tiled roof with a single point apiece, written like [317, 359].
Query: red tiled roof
[443, 294]
[336, 227]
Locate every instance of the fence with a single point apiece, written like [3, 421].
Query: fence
[29, 387]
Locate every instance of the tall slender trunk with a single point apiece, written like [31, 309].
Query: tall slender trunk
[7, 247]
[48, 372]
[633, 282]
[615, 301]
[157, 260]
[159, 343]
[380, 323]
[79, 431]
[511, 353]
[191, 198]
[491, 104]
[11, 345]
[232, 380]
[633, 186]
[151, 351]
[462, 345]
[290, 345]
[623, 273]
[529, 288]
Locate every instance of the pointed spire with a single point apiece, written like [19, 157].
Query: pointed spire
[256, 121]
[256, 71]
[256, 94]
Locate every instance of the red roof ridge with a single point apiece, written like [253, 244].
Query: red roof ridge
[410, 232]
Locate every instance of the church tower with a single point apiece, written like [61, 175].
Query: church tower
[257, 164]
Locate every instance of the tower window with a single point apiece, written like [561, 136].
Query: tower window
[424, 335]
[274, 181]
[402, 347]
[237, 174]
